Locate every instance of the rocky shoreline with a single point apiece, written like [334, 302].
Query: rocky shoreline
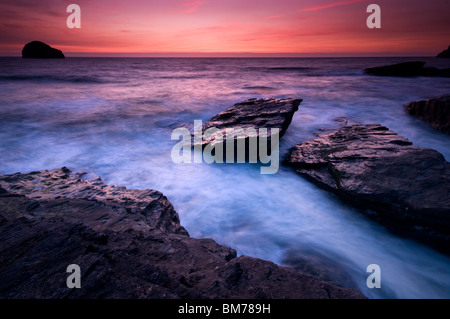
[128, 244]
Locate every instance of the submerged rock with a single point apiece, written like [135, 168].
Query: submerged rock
[405, 187]
[128, 244]
[407, 69]
[444, 54]
[40, 50]
[434, 111]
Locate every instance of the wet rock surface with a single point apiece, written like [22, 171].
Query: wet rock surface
[255, 114]
[434, 111]
[128, 244]
[404, 187]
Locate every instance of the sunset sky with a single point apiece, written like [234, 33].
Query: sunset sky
[229, 27]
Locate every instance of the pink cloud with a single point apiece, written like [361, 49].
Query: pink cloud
[331, 5]
[191, 6]
[226, 26]
[274, 17]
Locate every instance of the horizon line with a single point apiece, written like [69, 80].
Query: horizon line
[235, 55]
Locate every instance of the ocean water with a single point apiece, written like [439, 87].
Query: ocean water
[113, 117]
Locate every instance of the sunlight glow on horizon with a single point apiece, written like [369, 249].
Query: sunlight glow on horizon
[258, 27]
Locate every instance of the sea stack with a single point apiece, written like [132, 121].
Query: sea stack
[40, 50]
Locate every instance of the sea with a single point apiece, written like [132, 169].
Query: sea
[113, 118]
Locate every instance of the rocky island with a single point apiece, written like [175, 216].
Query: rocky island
[41, 50]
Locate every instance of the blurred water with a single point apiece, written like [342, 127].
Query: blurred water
[114, 118]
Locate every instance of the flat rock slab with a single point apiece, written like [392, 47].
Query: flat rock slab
[255, 113]
[405, 187]
[128, 244]
[434, 111]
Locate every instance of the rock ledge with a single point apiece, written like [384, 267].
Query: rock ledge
[128, 244]
[405, 187]
[434, 111]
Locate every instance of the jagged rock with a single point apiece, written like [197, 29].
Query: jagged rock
[40, 50]
[405, 187]
[128, 244]
[254, 114]
[444, 54]
[434, 111]
[406, 69]
[257, 113]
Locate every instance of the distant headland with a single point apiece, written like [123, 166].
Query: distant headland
[444, 54]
